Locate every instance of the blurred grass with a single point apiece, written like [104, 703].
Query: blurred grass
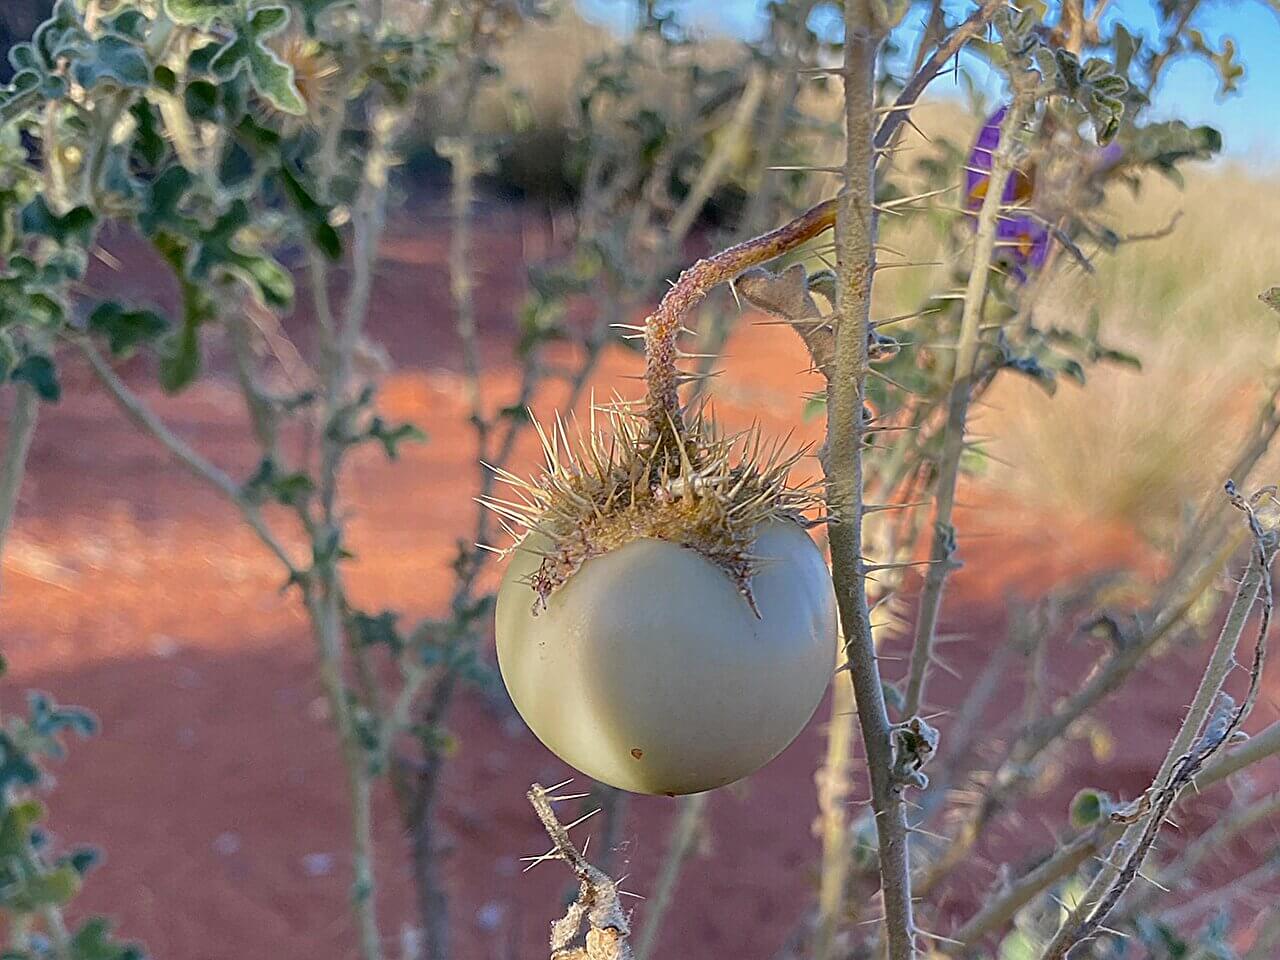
[1146, 447]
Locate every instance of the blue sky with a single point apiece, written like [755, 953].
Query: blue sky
[1249, 120]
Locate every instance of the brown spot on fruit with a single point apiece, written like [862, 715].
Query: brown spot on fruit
[637, 752]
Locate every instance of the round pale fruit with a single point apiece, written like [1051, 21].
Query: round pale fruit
[648, 670]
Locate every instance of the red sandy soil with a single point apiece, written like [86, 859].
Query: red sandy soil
[215, 786]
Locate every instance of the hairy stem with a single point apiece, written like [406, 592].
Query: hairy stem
[664, 325]
[22, 427]
[940, 562]
[855, 254]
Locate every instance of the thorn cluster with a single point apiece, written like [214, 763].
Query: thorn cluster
[610, 487]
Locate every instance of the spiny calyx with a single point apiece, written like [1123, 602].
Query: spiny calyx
[692, 486]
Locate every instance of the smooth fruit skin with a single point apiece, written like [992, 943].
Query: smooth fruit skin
[648, 670]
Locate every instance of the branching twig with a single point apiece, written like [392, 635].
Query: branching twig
[1069, 857]
[975, 296]
[1210, 722]
[915, 87]
[598, 905]
[147, 420]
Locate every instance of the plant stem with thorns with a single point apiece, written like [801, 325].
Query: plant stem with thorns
[1210, 722]
[975, 297]
[855, 253]
[663, 326]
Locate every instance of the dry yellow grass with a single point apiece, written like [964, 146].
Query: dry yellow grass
[1147, 446]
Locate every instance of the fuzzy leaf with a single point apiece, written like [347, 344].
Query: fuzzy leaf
[272, 78]
[116, 62]
[126, 329]
[93, 942]
[74, 225]
[268, 483]
[1089, 807]
[39, 371]
[323, 235]
[16, 769]
[201, 13]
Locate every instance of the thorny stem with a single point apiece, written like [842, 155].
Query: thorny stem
[1040, 736]
[967, 343]
[664, 325]
[145, 418]
[684, 838]
[1066, 859]
[22, 427]
[1204, 730]
[915, 87]
[597, 907]
[1231, 825]
[855, 255]
[326, 600]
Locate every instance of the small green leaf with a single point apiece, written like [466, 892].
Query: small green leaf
[272, 78]
[116, 62]
[1089, 807]
[74, 225]
[49, 719]
[39, 371]
[52, 889]
[323, 235]
[201, 100]
[371, 631]
[93, 942]
[129, 23]
[16, 769]
[220, 252]
[268, 483]
[201, 13]
[180, 358]
[148, 142]
[391, 437]
[22, 56]
[126, 329]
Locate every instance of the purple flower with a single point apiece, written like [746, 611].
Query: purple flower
[1023, 241]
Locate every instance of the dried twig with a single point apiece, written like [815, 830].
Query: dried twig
[598, 906]
[1211, 721]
